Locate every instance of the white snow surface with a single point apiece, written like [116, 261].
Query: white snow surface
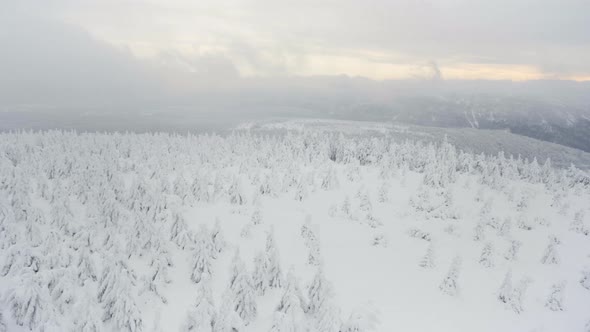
[368, 208]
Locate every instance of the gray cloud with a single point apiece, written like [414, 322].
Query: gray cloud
[547, 34]
[44, 62]
[48, 62]
[550, 34]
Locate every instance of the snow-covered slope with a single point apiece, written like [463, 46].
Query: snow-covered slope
[489, 142]
[303, 231]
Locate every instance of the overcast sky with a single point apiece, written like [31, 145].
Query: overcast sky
[378, 39]
[182, 53]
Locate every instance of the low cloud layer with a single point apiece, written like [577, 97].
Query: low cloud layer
[128, 55]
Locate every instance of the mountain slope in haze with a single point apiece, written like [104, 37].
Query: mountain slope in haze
[550, 121]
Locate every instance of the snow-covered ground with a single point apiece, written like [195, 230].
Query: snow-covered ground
[303, 231]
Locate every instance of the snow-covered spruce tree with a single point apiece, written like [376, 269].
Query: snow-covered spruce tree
[379, 240]
[203, 256]
[320, 305]
[450, 210]
[449, 284]
[550, 256]
[346, 208]
[244, 294]
[360, 321]
[115, 277]
[302, 192]
[85, 318]
[265, 187]
[179, 233]
[219, 191]
[518, 294]
[578, 224]
[319, 294]
[274, 271]
[32, 232]
[136, 193]
[62, 288]
[259, 275]
[29, 302]
[256, 218]
[542, 221]
[290, 304]
[226, 319]
[123, 312]
[21, 199]
[330, 179]
[505, 291]
[217, 238]
[328, 319]
[62, 216]
[157, 274]
[235, 267]
[479, 232]
[280, 323]
[83, 239]
[237, 194]
[365, 204]
[353, 324]
[486, 258]
[505, 227]
[427, 260]
[353, 172]
[585, 280]
[201, 317]
[311, 241]
[290, 179]
[182, 188]
[384, 192]
[534, 171]
[372, 221]
[513, 248]
[20, 259]
[548, 176]
[555, 299]
[522, 202]
[419, 234]
[145, 235]
[246, 230]
[200, 189]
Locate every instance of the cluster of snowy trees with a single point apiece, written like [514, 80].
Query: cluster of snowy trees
[93, 223]
[295, 310]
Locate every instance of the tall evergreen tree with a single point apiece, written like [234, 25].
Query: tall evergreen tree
[449, 284]
[506, 289]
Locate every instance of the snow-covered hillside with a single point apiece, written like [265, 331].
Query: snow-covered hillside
[305, 231]
[466, 139]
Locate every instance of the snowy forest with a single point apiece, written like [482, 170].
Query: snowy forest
[293, 231]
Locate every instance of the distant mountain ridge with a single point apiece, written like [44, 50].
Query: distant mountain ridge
[553, 122]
